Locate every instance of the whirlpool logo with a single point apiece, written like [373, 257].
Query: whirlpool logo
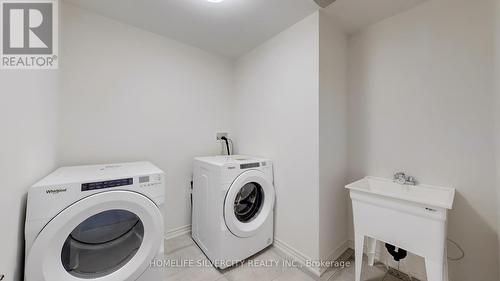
[29, 34]
[56, 191]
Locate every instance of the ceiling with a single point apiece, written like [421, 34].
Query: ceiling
[230, 28]
[354, 15]
[234, 27]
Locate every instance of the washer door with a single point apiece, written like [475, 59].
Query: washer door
[249, 202]
[110, 236]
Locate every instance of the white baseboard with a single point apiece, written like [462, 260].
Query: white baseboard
[350, 244]
[335, 254]
[176, 232]
[283, 248]
[297, 256]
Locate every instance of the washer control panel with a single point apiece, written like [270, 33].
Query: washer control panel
[148, 181]
[249, 165]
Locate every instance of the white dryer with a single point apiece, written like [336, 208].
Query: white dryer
[233, 207]
[99, 222]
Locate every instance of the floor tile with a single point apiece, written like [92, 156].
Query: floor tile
[185, 261]
[328, 275]
[197, 274]
[332, 271]
[189, 263]
[266, 266]
[391, 278]
[177, 243]
[294, 275]
[342, 276]
[369, 273]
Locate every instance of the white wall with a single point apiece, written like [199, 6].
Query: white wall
[497, 79]
[277, 86]
[421, 100]
[128, 95]
[27, 153]
[332, 139]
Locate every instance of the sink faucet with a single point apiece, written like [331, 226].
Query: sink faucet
[402, 178]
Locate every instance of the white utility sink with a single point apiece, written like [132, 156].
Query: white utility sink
[411, 217]
[434, 196]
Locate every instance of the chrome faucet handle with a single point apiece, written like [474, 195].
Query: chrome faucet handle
[411, 181]
[400, 177]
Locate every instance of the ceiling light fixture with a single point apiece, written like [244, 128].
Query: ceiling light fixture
[215, 1]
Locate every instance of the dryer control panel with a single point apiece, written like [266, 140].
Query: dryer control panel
[142, 181]
[107, 184]
[151, 180]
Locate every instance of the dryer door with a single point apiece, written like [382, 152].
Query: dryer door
[249, 202]
[109, 236]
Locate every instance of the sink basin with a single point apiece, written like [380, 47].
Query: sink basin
[434, 196]
[410, 217]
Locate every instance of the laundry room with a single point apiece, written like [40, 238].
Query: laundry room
[224, 140]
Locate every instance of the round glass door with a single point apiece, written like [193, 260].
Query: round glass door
[102, 244]
[248, 202]
[107, 236]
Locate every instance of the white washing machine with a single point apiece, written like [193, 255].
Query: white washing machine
[99, 222]
[233, 207]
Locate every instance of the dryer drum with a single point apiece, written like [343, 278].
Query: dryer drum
[102, 244]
